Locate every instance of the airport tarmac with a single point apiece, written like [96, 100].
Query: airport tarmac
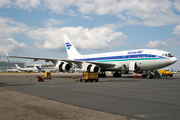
[111, 98]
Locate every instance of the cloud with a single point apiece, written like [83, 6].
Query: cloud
[60, 6]
[8, 27]
[129, 21]
[83, 38]
[146, 12]
[51, 38]
[22, 4]
[176, 4]
[51, 22]
[151, 13]
[87, 17]
[12, 46]
[5, 3]
[176, 31]
[156, 44]
[27, 4]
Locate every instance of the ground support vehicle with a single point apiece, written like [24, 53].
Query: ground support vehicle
[40, 79]
[89, 76]
[166, 73]
[47, 75]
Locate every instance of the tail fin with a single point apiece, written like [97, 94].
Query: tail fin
[71, 50]
[37, 67]
[7, 68]
[17, 66]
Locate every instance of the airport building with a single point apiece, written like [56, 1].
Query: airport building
[10, 65]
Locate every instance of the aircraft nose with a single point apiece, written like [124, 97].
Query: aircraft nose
[173, 60]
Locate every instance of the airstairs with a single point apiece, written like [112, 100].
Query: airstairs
[157, 73]
[138, 72]
[153, 73]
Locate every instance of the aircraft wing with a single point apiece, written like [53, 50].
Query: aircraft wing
[54, 60]
[65, 60]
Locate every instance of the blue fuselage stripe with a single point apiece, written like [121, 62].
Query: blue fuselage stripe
[124, 58]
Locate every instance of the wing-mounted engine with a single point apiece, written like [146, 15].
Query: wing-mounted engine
[118, 67]
[88, 67]
[63, 66]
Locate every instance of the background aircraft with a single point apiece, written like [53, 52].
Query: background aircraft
[45, 70]
[12, 70]
[26, 69]
[131, 60]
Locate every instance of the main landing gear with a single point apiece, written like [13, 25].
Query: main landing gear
[117, 74]
[102, 74]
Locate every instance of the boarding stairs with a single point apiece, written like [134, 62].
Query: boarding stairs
[157, 73]
[138, 72]
[154, 73]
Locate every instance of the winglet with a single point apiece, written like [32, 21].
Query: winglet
[5, 53]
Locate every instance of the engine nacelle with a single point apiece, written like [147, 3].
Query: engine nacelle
[90, 68]
[63, 66]
[118, 67]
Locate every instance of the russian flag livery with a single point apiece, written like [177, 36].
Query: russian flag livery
[68, 45]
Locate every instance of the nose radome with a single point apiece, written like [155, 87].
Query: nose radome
[173, 59]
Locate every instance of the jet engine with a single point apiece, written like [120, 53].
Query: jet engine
[63, 66]
[118, 67]
[87, 67]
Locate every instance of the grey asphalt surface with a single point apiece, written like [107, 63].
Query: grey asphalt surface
[148, 99]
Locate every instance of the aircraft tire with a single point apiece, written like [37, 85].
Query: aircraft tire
[148, 76]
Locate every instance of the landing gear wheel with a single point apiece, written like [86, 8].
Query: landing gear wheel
[102, 74]
[148, 76]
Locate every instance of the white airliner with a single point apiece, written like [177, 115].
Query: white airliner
[26, 69]
[129, 60]
[12, 70]
[46, 70]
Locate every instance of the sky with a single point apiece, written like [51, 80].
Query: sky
[36, 27]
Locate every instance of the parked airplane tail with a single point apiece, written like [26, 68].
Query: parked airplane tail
[17, 66]
[39, 68]
[71, 50]
[7, 68]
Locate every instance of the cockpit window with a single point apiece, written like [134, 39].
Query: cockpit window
[168, 55]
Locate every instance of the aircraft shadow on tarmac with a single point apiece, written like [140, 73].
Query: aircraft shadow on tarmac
[120, 81]
[5, 84]
[132, 79]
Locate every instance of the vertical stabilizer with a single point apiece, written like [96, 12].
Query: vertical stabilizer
[71, 50]
[17, 66]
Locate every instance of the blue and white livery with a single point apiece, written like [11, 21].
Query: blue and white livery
[128, 60]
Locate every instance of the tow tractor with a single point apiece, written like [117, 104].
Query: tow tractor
[166, 73]
[90, 76]
[47, 75]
